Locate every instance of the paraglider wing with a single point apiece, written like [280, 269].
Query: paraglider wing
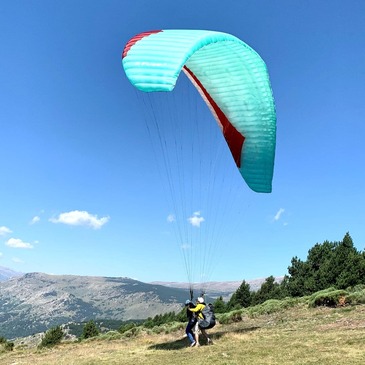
[230, 76]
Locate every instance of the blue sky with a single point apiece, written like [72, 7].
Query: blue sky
[81, 190]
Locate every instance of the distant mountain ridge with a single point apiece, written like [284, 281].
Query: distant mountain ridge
[35, 302]
[6, 274]
[218, 288]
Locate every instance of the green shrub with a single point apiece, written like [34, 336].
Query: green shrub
[170, 327]
[356, 288]
[322, 292]
[52, 337]
[89, 330]
[133, 332]
[270, 306]
[9, 346]
[230, 317]
[5, 345]
[357, 297]
[328, 298]
[110, 336]
[126, 327]
[222, 318]
[176, 326]
[236, 316]
[158, 329]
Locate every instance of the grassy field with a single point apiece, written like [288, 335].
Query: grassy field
[297, 335]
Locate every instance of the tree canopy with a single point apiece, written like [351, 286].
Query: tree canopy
[329, 264]
[337, 264]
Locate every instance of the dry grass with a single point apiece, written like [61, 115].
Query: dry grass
[295, 336]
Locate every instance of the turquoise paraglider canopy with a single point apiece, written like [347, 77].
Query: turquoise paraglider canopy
[232, 79]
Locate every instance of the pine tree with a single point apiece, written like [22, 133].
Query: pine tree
[269, 290]
[219, 305]
[318, 262]
[338, 263]
[351, 264]
[52, 337]
[297, 276]
[242, 297]
[330, 264]
[89, 330]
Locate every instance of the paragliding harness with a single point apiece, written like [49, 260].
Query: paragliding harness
[209, 317]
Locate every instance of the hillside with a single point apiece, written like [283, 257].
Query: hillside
[34, 302]
[286, 336]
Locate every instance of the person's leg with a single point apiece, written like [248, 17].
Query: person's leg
[190, 333]
[209, 340]
[196, 331]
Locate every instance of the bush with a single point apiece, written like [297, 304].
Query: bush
[356, 288]
[158, 329]
[9, 346]
[236, 316]
[357, 297]
[160, 319]
[268, 307]
[328, 298]
[166, 328]
[52, 337]
[176, 326]
[133, 332]
[90, 330]
[6, 345]
[230, 317]
[126, 327]
[110, 336]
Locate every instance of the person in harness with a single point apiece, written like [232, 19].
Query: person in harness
[205, 320]
[191, 322]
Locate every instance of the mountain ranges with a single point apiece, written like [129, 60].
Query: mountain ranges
[34, 302]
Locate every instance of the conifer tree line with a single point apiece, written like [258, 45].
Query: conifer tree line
[328, 264]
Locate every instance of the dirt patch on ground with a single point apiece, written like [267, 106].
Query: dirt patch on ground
[344, 323]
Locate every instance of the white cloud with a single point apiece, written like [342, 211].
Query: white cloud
[80, 218]
[171, 218]
[18, 243]
[185, 246]
[17, 260]
[279, 214]
[4, 230]
[196, 219]
[35, 220]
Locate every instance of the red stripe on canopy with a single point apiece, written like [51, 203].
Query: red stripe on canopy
[137, 38]
[234, 138]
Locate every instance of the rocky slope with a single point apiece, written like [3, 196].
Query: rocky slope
[34, 302]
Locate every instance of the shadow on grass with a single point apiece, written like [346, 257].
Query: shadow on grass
[184, 342]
